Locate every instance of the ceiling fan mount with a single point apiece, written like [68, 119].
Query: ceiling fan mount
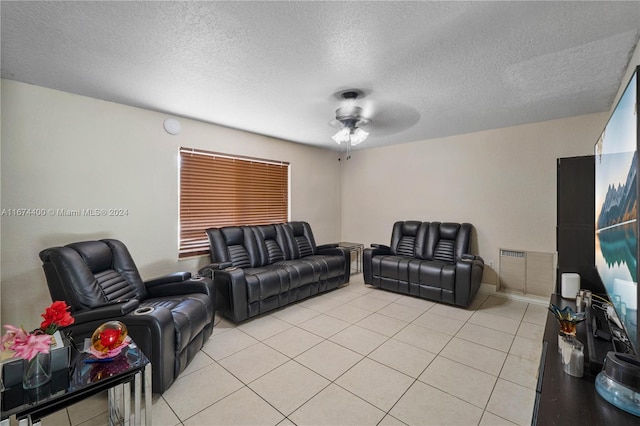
[351, 116]
[351, 94]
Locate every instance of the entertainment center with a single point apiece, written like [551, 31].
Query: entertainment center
[597, 237]
[562, 399]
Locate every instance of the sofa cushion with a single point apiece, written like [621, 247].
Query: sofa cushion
[299, 239]
[444, 251]
[438, 274]
[230, 244]
[269, 243]
[265, 282]
[410, 270]
[114, 275]
[408, 238]
[300, 273]
[447, 241]
[398, 268]
[325, 265]
[190, 315]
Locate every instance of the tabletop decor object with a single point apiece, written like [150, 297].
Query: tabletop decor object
[35, 347]
[567, 318]
[108, 340]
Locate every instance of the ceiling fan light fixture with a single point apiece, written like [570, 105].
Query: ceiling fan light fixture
[352, 136]
[343, 135]
[358, 136]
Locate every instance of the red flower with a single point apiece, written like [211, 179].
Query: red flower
[55, 316]
[28, 345]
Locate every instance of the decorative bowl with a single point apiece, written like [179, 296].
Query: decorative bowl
[109, 339]
[567, 318]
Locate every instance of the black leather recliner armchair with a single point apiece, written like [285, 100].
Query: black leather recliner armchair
[169, 318]
[427, 260]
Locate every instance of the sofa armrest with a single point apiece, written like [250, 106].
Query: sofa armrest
[471, 257]
[377, 250]
[198, 284]
[381, 246]
[469, 269]
[176, 277]
[208, 270]
[335, 251]
[105, 312]
[325, 246]
[231, 292]
[367, 255]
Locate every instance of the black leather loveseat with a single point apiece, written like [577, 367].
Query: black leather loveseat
[259, 268]
[427, 260]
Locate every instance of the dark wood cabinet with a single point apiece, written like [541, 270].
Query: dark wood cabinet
[565, 400]
[575, 230]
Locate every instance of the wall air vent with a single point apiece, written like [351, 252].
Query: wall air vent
[527, 272]
[511, 253]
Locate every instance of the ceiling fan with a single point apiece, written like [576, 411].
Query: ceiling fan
[356, 118]
[349, 118]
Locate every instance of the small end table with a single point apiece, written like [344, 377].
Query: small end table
[85, 378]
[356, 248]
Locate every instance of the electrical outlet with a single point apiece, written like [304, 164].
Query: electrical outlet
[491, 264]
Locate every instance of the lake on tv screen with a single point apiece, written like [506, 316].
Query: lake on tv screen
[617, 265]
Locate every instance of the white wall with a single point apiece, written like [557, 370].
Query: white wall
[62, 151]
[503, 181]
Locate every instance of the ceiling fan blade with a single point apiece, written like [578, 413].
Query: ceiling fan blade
[390, 117]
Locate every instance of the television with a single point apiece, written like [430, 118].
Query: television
[616, 202]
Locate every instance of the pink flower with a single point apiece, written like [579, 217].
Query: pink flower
[32, 346]
[13, 334]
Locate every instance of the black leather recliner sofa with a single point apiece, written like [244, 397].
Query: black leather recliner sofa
[427, 260]
[260, 268]
[169, 318]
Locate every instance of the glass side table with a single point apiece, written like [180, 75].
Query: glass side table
[85, 377]
[354, 248]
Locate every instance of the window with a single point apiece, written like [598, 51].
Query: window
[221, 190]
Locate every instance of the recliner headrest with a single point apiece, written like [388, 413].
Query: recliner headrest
[297, 228]
[46, 254]
[410, 227]
[96, 254]
[233, 235]
[267, 232]
[449, 231]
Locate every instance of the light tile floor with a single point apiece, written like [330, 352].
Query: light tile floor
[358, 356]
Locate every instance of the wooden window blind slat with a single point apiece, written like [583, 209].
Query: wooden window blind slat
[221, 190]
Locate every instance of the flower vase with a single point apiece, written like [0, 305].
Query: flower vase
[37, 371]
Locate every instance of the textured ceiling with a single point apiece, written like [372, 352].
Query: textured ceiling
[428, 69]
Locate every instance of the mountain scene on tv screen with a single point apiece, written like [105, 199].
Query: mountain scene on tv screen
[620, 203]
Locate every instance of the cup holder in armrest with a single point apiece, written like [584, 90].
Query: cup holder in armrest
[144, 310]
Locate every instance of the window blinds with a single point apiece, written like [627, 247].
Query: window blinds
[219, 190]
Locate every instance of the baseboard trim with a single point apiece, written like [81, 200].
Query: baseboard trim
[512, 295]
